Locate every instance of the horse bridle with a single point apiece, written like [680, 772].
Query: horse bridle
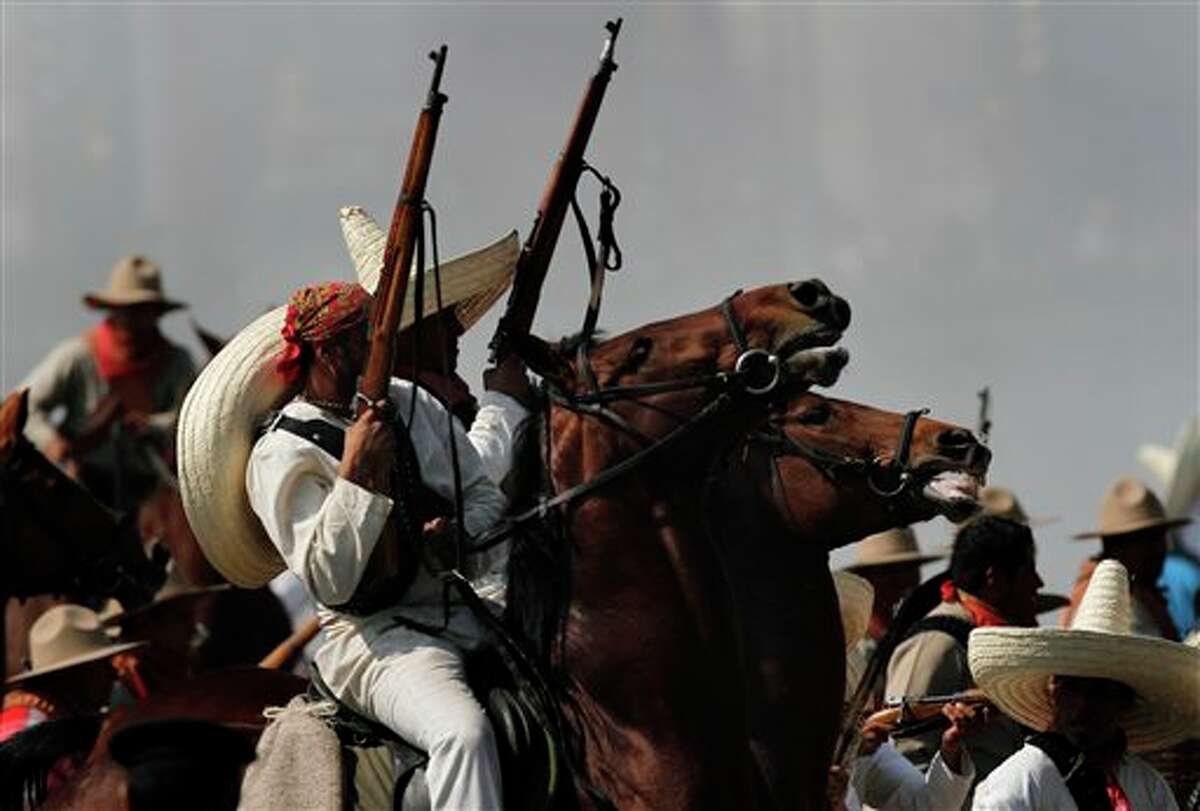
[757, 373]
[886, 479]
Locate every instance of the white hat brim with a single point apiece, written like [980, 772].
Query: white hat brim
[217, 429]
[470, 284]
[1013, 667]
[73, 661]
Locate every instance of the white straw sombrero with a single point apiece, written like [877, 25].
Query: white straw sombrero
[1013, 665]
[232, 395]
[471, 287]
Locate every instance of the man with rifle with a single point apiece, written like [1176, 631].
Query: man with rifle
[327, 512]
[356, 483]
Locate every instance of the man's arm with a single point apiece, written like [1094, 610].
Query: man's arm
[930, 663]
[49, 388]
[325, 529]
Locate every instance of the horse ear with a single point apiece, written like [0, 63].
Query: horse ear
[13, 414]
[544, 360]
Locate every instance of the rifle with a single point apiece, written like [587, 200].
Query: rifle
[393, 562]
[905, 716]
[985, 417]
[401, 245]
[538, 249]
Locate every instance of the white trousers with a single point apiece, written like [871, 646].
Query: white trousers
[416, 686]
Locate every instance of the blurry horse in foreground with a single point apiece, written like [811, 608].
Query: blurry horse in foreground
[56, 538]
[822, 474]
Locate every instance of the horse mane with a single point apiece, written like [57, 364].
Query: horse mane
[539, 558]
[27, 758]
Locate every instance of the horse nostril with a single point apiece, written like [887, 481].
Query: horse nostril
[840, 312]
[808, 294]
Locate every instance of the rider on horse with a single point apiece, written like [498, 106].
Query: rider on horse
[326, 515]
[121, 374]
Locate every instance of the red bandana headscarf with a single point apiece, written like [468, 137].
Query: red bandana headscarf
[317, 313]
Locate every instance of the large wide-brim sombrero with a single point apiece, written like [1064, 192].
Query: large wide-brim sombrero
[470, 288]
[1013, 666]
[221, 414]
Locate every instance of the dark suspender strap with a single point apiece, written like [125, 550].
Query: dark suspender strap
[1085, 781]
[326, 436]
[955, 627]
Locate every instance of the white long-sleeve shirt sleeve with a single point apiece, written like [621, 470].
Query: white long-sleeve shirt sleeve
[494, 433]
[324, 526]
[887, 781]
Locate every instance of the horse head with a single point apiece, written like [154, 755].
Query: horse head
[837, 471]
[58, 539]
[756, 346]
[823, 473]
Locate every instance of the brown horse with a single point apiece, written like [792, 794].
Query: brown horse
[57, 538]
[825, 473]
[627, 603]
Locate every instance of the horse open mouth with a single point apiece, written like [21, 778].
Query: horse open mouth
[817, 367]
[954, 492]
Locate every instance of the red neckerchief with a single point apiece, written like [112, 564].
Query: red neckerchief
[130, 375]
[116, 358]
[1116, 795]
[982, 614]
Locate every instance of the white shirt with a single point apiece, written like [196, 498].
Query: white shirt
[325, 527]
[887, 781]
[1029, 781]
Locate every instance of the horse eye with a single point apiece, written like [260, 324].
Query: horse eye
[639, 352]
[817, 415]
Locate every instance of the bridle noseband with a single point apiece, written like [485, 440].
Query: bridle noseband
[887, 480]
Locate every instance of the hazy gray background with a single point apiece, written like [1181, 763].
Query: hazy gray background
[1007, 195]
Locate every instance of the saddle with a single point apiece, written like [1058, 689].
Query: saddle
[529, 755]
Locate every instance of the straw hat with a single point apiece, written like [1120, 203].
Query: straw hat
[855, 596]
[1013, 665]
[217, 425]
[897, 545]
[1130, 506]
[470, 287]
[66, 636]
[134, 280]
[1002, 503]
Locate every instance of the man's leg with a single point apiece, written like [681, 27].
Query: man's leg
[422, 694]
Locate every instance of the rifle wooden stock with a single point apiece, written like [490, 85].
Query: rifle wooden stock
[401, 244]
[286, 650]
[538, 250]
